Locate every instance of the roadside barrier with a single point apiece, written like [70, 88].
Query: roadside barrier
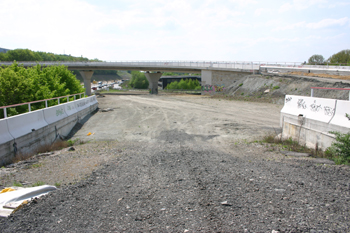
[5, 134]
[54, 114]
[319, 109]
[26, 123]
[70, 108]
[340, 119]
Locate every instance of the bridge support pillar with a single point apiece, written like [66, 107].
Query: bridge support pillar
[87, 80]
[206, 76]
[153, 79]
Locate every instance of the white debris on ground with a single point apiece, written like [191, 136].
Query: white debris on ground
[11, 200]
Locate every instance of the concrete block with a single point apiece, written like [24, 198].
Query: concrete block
[70, 108]
[340, 119]
[319, 109]
[5, 135]
[26, 123]
[55, 113]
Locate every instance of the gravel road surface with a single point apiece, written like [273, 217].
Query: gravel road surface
[182, 164]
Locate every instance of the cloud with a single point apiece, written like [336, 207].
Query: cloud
[301, 5]
[325, 23]
[329, 23]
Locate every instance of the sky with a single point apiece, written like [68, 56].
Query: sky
[190, 30]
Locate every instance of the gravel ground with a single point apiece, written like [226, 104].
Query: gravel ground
[196, 175]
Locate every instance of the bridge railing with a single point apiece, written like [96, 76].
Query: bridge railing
[245, 65]
[38, 101]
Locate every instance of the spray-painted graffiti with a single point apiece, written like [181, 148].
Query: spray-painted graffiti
[328, 111]
[213, 88]
[288, 99]
[302, 104]
[314, 107]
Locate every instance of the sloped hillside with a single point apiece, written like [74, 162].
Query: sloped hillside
[273, 87]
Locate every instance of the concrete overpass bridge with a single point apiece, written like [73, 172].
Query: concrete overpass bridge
[212, 72]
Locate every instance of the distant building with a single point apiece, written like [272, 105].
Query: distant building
[165, 80]
[2, 50]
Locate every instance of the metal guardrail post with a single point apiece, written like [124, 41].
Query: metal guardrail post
[312, 92]
[45, 103]
[5, 113]
[58, 100]
[67, 99]
[74, 97]
[29, 108]
[80, 96]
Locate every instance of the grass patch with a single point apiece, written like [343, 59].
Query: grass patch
[58, 184]
[291, 145]
[17, 184]
[39, 183]
[37, 165]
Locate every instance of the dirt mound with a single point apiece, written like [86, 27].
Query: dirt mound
[273, 87]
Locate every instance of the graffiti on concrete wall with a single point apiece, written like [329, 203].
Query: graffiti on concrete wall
[314, 107]
[213, 88]
[302, 104]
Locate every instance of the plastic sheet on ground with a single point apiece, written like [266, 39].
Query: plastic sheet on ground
[9, 201]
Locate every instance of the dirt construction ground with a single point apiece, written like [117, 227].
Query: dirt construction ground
[180, 163]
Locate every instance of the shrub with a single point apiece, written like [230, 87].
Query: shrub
[340, 149]
[188, 84]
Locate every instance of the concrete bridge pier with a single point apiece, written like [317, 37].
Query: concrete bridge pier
[87, 74]
[153, 79]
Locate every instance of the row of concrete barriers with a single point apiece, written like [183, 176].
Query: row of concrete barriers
[310, 120]
[24, 133]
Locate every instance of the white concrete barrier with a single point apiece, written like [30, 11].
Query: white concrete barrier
[82, 104]
[26, 123]
[26, 132]
[54, 114]
[340, 119]
[319, 109]
[70, 108]
[5, 135]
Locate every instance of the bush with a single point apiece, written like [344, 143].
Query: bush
[340, 149]
[187, 84]
[20, 85]
[138, 80]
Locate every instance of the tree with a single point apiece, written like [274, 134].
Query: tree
[316, 60]
[20, 85]
[342, 57]
[138, 80]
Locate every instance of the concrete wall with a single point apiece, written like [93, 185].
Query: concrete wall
[226, 78]
[26, 132]
[310, 120]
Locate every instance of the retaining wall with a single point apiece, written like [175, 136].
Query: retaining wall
[26, 132]
[310, 120]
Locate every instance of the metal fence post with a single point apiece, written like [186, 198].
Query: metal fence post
[67, 99]
[29, 108]
[80, 96]
[74, 97]
[45, 103]
[58, 100]
[312, 92]
[5, 113]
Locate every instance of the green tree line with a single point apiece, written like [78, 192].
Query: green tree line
[342, 57]
[188, 84]
[20, 85]
[28, 55]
